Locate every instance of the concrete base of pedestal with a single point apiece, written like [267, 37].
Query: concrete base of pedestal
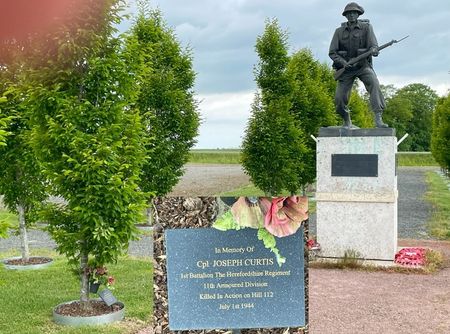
[357, 206]
[368, 229]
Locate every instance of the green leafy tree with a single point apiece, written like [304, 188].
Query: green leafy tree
[89, 138]
[440, 138]
[4, 121]
[312, 103]
[423, 101]
[21, 182]
[361, 114]
[165, 99]
[398, 114]
[273, 150]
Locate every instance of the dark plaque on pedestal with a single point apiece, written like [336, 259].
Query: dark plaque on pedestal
[221, 280]
[358, 165]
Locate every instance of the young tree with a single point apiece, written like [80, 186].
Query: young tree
[273, 150]
[21, 182]
[165, 99]
[88, 137]
[440, 137]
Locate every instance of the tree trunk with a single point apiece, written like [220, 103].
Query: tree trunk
[84, 288]
[23, 233]
[150, 212]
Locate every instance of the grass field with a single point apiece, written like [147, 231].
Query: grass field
[232, 156]
[416, 159]
[215, 156]
[438, 195]
[28, 297]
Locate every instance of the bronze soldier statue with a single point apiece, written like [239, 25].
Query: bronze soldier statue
[351, 39]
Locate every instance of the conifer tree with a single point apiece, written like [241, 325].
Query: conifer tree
[273, 150]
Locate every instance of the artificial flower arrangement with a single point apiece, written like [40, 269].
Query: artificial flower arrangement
[100, 276]
[271, 216]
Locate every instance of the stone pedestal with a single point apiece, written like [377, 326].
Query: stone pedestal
[357, 193]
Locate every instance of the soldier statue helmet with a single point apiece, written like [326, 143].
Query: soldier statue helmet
[353, 6]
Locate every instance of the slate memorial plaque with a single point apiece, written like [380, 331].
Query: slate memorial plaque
[359, 165]
[222, 280]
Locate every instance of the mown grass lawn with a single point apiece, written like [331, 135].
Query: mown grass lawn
[27, 298]
[438, 195]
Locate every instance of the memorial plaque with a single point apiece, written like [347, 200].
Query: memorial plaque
[108, 297]
[358, 165]
[222, 280]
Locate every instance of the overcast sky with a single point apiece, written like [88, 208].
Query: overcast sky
[222, 35]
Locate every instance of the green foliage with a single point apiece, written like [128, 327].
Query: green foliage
[271, 243]
[226, 222]
[312, 103]
[4, 229]
[360, 111]
[422, 101]
[398, 114]
[270, 72]
[89, 138]
[440, 138]
[164, 84]
[273, 151]
[4, 121]
[21, 181]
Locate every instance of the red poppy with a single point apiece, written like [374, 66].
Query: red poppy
[284, 215]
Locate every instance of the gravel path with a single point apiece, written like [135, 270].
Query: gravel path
[39, 239]
[358, 302]
[413, 210]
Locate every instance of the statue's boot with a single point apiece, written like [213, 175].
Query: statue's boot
[348, 121]
[379, 120]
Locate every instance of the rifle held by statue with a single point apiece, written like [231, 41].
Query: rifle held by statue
[364, 55]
